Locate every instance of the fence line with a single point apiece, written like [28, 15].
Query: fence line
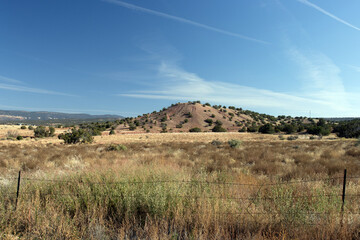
[243, 210]
[185, 181]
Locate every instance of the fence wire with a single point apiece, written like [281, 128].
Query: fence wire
[229, 197]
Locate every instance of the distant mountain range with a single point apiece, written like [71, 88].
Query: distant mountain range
[26, 116]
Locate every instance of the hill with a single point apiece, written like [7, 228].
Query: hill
[182, 117]
[12, 116]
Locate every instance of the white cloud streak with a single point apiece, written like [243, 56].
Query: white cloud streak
[178, 84]
[323, 91]
[355, 68]
[17, 85]
[321, 79]
[183, 20]
[30, 90]
[328, 14]
[11, 80]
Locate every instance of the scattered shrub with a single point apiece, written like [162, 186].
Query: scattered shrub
[209, 121]
[348, 129]
[112, 132]
[132, 127]
[253, 128]
[216, 143]
[30, 127]
[290, 128]
[319, 130]
[267, 129]
[290, 138]
[233, 143]
[163, 119]
[23, 127]
[41, 132]
[243, 129]
[218, 128]
[77, 136]
[19, 138]
[195, 129]
[116, 147]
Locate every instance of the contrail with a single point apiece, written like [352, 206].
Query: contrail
[183, 20]
[306, 2]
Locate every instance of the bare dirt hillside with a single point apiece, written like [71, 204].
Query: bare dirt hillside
[182, 117]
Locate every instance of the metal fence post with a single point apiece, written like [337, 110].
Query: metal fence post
[18, 190]
[343, 198]
[343, 193]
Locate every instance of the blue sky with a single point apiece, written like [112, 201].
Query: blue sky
[135, 56]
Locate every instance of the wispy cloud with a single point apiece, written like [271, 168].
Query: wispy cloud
[322, 90]
[11, 80]
[178, 84]
[321, 78]
[19, 86]
[30, 90]
[183, 20]
[356, 68]
[306, 2]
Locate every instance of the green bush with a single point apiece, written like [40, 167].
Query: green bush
[30, 128]
[289, 128]
[41, 132]
[195, 129]
[291, 138]
[216, 143]
[267, 128]
[77, 136]
[116, 147]
[243, 129]
[253, 128]
[23, 127]
[319, 130]
[233, 143]
[219, 128]
[348, 129]
[19, 138]
[209, 121]
[112, 132]
[132, 127]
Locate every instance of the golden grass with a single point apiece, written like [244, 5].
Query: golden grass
[182, 205]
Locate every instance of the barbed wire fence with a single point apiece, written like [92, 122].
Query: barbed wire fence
[244, 202]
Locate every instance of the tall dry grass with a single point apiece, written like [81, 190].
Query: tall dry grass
[178, 191]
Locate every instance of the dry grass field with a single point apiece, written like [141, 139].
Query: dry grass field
[180, 186]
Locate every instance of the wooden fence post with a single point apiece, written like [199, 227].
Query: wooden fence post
[18, 190]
